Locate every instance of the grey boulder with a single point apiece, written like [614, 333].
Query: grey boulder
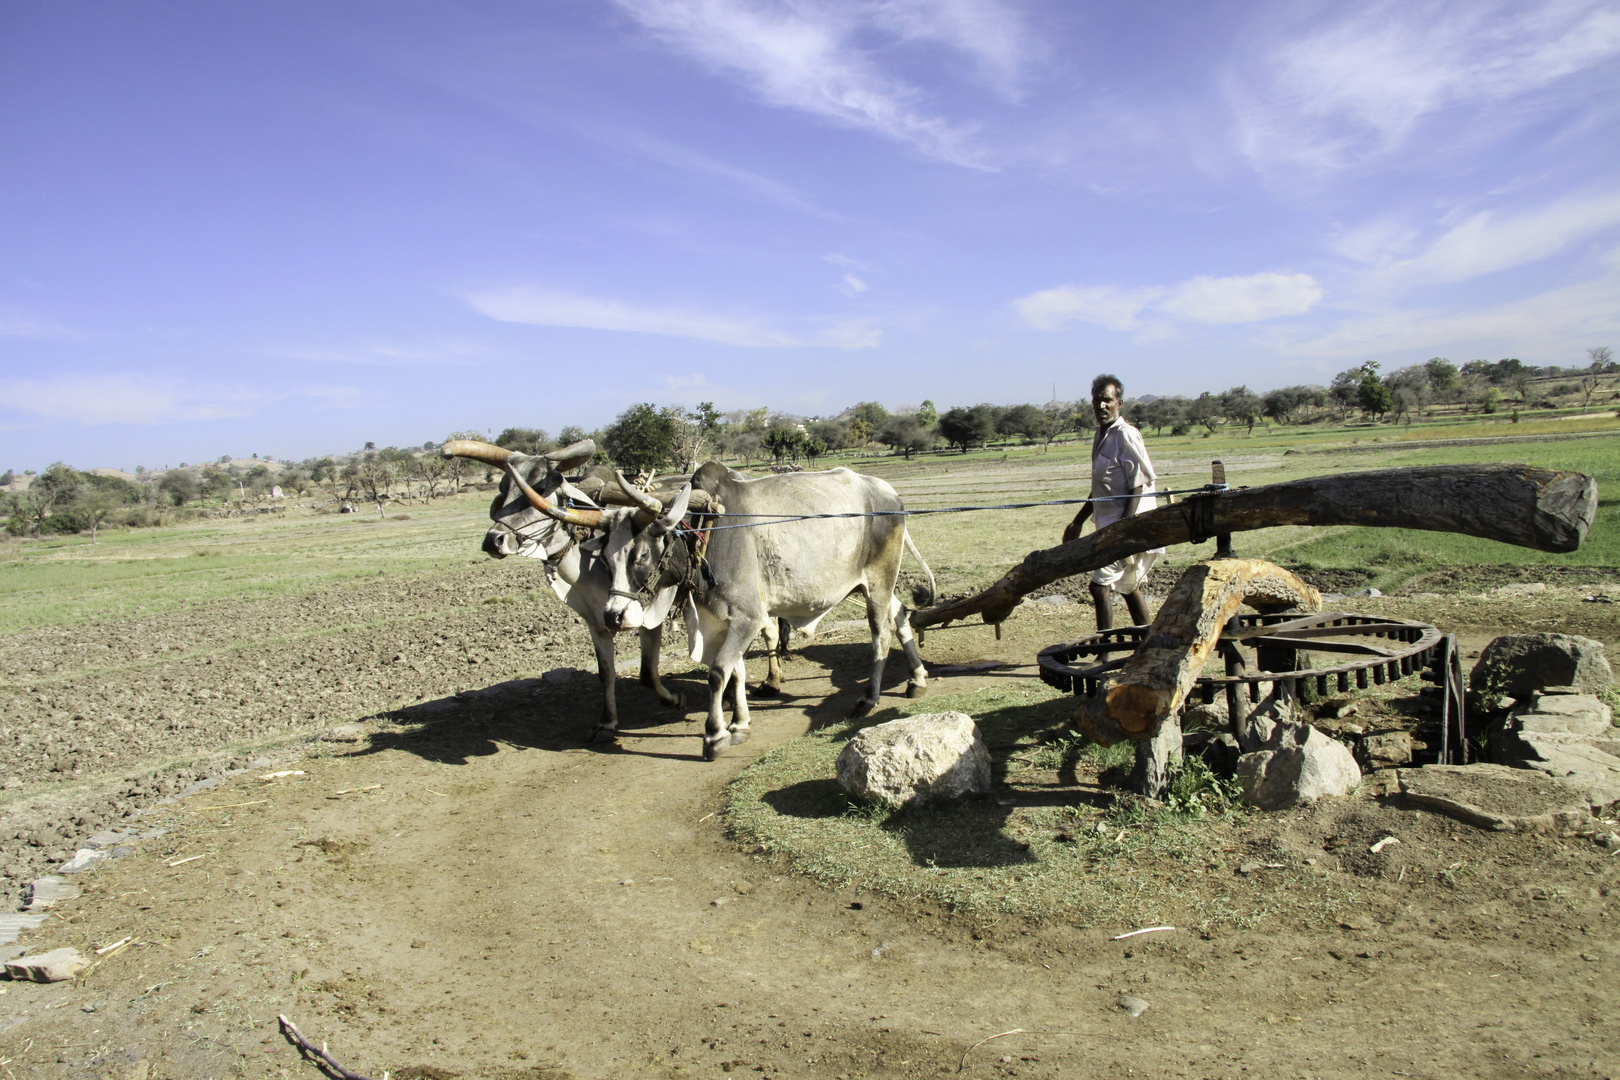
[1518, 665]
[935, 757]
[1305, 766]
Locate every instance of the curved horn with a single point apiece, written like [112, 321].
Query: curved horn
[677, 510]
[645, 502]
[590, 519]
[488, 453]
[572, 456]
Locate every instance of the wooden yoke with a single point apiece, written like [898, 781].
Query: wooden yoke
[1517, 504]
[1157, 678]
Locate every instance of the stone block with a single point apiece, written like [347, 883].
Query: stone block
[57, 965]
[935, 757]
[1313, 767]
[1518, 665]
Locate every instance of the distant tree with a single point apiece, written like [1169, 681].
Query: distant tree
[927, 415]
[523, 440]
[93, 507]
[1372, 394]
[835, 433]
[642, 439]
[1240, 406]
[968, 427]
[906, 434]
[695, 430]
[814, 448]
[1206, 411]
[371, 446]
[1601, 358]
[572, 434]
[6, 478]
[179, 487]
[784, 440]
[1030, 423]
[871, 412]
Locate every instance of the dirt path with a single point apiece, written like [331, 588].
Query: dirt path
[488, 898]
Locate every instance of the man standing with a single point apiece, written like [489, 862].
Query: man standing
[1119, 467]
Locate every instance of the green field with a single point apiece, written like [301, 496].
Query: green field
[65, 581]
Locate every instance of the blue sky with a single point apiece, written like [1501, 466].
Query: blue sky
[288, 228]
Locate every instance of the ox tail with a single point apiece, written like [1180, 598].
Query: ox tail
[920, 597]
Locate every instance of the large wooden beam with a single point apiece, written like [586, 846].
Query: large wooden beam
[1516, 504]
[1157, 678]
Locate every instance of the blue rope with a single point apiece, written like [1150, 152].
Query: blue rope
[1207, 489]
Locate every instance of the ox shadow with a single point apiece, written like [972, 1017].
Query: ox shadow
[533, 714]
[974, 833]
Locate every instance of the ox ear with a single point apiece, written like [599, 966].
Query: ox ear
[677, 510]
[571, 457]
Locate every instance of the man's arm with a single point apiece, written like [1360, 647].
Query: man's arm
[1072, 530]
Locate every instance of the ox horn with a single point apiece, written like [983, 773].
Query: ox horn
[488, 453]
[590, 519]
[572, 456]
[677, 510]
[648, 505]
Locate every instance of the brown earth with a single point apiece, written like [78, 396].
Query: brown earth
[458, 887]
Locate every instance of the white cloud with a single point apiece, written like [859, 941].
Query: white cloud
[548, 307]
[1251, 298]
[804, 56]
[852, 285]
[855, 334]
[1560, 322]
[81, 399]
[1105, 305]
[1248, 298]
[1361, 85]
[1492, 241]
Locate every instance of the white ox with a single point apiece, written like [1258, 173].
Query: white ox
[797, 571]
[524, 522]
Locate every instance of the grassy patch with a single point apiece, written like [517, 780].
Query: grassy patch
[1064, 851]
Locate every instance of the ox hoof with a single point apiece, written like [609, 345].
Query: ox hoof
[677, 700]
[861, 708]
[767, 690]
[604, 735]
[738, 738]
[711, 750]
[916, 690]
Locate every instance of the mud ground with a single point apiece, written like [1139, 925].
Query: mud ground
[458, 887]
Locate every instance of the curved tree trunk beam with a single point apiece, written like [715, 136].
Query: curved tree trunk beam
[1516, 504]
[1157, 678]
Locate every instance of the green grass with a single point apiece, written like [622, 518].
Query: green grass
[147, 571]
[1124, 867]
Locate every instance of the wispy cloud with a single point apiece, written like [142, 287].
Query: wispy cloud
[1252, 298]
[1361, 85]
[19, 326]
[806, 56]
[1490, 241]
[96, 400]
[550, 307]
[1560, 322]
[1105, 305]
[1241, 299]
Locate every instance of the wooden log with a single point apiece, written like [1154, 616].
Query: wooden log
[1516, 504]
[1156, 680]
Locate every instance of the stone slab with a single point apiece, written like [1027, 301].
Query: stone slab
[45, 891]
[1496, 797]
[58, 965]
[13, 924]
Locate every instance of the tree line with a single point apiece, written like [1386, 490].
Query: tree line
[647, 437]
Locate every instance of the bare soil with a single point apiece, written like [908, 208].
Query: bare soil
[457, 887]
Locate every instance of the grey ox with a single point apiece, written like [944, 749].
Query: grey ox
[524, 521]
[797, 571]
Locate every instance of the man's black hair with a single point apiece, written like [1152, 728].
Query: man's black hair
[1101, 381]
